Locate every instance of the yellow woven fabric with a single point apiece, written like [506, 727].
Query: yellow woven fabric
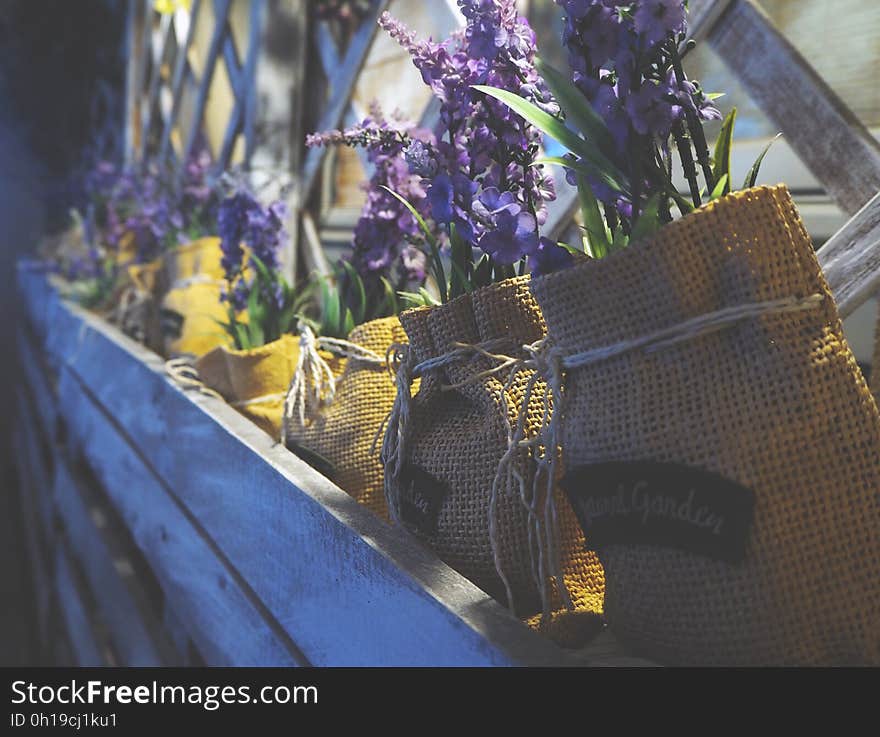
[775, 403]
[344, 431]
[191, 307]
[459, 436]
[255, 381]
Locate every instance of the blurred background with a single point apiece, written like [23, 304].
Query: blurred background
[115, 79]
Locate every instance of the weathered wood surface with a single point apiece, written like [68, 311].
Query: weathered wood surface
[838, 149]
[37, 548]
[262, 559]
[341, 82]
[222, 617]
[84, 638]
[851, 258]
[120, 598]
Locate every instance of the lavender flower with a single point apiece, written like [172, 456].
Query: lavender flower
[241, 219]
[650, 110]
[480, 176]
[656, 20]
[382, 246]
[624, 58]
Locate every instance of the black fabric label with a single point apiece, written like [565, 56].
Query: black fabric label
[421, 498]
[661, 504]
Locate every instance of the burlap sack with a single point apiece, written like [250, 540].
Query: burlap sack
[774, 403]
[342, 434]
[874, 381]
[456, 438]
[134, 304]
[191, 308]
[254, 381]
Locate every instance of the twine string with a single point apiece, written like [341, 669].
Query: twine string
[184, 374]
[549, 364]
[313, 385]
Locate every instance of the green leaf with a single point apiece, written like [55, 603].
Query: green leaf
[598, 240]
[602, 168]
[388, 306]
[722, 150]
[720, 187]
[710, 96]
[461, 264]
[422, 298]
[577, 109]
[436, 261]
[242, 337]
[360, 296]
[649, 220]
[752, 176]
[348, 323]
[330, 310]
[571, 249]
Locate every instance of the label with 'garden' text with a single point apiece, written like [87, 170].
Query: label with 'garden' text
[669, 504]
[421, 497]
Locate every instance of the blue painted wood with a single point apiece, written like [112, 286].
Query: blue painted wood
[39, 384]
[38, 554]
[221, 10]
[134, 629]
[81, 635]
[341, 82]
[39, 475]
[223, 618]
[347, 588]
[181, 66]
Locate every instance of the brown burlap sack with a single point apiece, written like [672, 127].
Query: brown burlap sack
[342, 434]
[455, 439]
[769, 410]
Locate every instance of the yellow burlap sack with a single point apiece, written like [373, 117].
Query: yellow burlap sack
[253, 381]
[134, 304]
[343, 431]
[455, 434]
[191, 308]
[715, 351]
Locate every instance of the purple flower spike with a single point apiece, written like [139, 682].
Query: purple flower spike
[513, 237]
[656, 20]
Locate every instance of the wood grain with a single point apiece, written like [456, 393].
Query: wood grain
[836, 147]
[851, 259]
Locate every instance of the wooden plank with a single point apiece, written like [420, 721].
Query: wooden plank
[345, 586]
[38, 553]
[222, 617]
[242, 81]
[255, 33]
[837, 148]
[277, 98]
[35, 375]
[851, 259]
[105, 560]
[181, 64]
[82, 636]
[157, 55]
[39, 472]
[221, 11]
[342, 84]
